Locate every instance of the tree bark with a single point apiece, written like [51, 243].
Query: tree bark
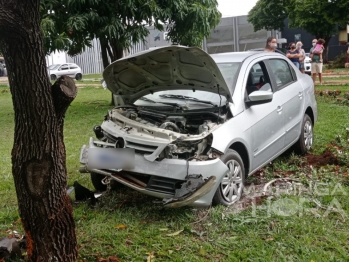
[114, 52]
[105, 58]
[38, 154]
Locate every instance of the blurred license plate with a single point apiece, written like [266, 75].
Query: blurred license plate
[111, 158]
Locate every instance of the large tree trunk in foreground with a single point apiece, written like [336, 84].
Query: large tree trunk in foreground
[38, 154]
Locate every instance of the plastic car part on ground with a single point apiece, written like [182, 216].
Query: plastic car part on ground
[12, 247]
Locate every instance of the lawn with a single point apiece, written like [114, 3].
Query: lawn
[132, 227]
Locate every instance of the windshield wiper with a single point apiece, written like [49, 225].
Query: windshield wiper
[187, 98]
[164, 103]
[147, 99]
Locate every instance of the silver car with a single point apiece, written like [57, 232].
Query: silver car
[67, 69]
[189, 127]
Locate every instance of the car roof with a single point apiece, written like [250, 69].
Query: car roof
[241, 56]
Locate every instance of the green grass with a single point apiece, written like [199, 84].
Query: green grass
[336, 70]
[93, 76]
[221, 235]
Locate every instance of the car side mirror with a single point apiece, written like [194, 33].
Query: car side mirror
[260, 97]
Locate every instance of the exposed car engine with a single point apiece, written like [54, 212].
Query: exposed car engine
[180, 122]
[193, 128]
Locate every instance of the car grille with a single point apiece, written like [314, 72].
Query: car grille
[163, 184]
[141, 148]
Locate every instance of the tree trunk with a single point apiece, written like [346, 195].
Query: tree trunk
[105, 58]
[38, 154]
[115, 53]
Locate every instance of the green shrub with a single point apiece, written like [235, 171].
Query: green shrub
[339, 62]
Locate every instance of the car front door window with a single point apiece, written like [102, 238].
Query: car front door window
[64, 68]
[266, 119]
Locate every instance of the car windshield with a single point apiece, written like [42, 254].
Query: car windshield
[53, 67]
[186, 98]
[230, 73]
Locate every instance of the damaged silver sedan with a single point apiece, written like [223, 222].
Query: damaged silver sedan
[189, 127]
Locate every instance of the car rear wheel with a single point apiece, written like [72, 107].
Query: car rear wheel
[306, 140]
[53, 77]
[231, 187]
[78, 76]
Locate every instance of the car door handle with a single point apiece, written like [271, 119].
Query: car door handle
[300, 95]
[279, 109]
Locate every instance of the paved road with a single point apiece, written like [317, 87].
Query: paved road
[3, 79]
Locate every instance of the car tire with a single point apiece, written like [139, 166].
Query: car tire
[53, 77]
[78, 76]
[96, 180]
[305, 141]
[230, 189]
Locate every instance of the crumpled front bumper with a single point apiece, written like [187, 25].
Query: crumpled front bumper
[176, 169]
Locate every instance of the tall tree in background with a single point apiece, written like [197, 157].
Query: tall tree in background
[71, 25]
[319, 18]
[118, 24]
[38, 154]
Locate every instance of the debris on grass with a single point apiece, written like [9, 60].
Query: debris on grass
[12, 246]
[326, 158]
[175, 233]
[121, 226]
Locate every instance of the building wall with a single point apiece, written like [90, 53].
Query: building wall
[232, 34]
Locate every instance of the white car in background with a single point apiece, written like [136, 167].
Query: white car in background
[67, 69]
[307, 64]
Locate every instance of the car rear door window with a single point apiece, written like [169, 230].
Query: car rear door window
[282, 72]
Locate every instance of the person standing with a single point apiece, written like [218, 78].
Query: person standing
[271, 44]
[299, 46]
[293, 54]
[316, 63]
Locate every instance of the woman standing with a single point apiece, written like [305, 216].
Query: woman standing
[271, 44]
[302, 57]
[293, 54]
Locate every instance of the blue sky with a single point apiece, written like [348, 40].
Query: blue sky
[235, 7]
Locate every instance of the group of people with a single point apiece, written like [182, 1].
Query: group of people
[297, 55]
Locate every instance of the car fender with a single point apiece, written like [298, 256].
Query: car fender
[309, 95]
[233, 131]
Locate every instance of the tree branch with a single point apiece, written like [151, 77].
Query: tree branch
[64, 91]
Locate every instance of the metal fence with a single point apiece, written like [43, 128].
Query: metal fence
[90, 60]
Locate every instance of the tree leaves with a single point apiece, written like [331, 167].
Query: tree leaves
[317, 17]
[123, 23]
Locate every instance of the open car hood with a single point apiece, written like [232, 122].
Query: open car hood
[165, 68]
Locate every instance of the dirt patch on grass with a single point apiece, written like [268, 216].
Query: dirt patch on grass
[326, 158]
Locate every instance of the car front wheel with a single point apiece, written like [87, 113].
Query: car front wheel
[78, 76]
[96, 180]
[231, 187]
[305, 141]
